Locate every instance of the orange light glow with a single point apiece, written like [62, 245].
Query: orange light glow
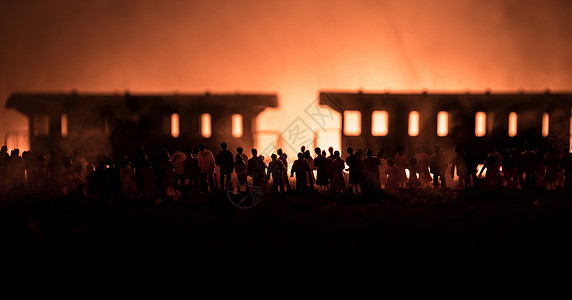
[64, 125]
[512, 124]
[237, 125]
[413, 123]
[206, 130]
[442, 123]
[379, 120]
[352, 122]
[480, 124]
[175, 125]
[545, 124]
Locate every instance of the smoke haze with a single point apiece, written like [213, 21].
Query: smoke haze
[292, 48]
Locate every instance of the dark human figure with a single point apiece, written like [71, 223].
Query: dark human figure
[240, 170]
[4, 157]
[566, 164]
[371, 167]
[255, 168]
[338, 166]
[127, 180]
[493, 174]
[321, 164]
[310, 160]
[509, 170]
[169, 175]
[239, 150]
[149, 187]
[392, 176]
[459, 162]
[413, 181]
[472, 165]
[277, 170]
[551, 167]
[224, 159]
[401, 161]
[192, 170]
[331, 159]
[438, 167]
[207, 165]
[157, 161]
[355, 170]
[16, 169]
[139, 162]
[301, 168]
[422, 157]
[178, 158]
[529, 165]
[284, 159]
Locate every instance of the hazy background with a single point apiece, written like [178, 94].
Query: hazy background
[292, 48]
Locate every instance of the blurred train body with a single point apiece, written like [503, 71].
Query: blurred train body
[118, 123]
[477, 120]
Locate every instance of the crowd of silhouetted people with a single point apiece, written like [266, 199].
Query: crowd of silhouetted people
[198, 171]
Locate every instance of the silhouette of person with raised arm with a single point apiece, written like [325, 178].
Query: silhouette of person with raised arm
[224, 159]
[438, 167]
[207, 165]
[371, 167]
[301, 168]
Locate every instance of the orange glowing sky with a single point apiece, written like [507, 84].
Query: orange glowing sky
[292, 48]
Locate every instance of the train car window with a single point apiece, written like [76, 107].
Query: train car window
[442, 123]
[237, 125]
[175, 125]
[352, 123]
[480, 124]
[512, 124]
[206, 130]
[41, 125]
[379, 120]
[545, 124]
[64, 125]
[413, 128]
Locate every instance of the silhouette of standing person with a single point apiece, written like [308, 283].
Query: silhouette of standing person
[178, 158]
[529, 165]
[438, 167]
[224, 159]
[301, 168]
[277, 170]
[371, 167]
[207, 165]
[255, 168]
[284, 159]
[551, 167]
[355, 170]
[460, 164]
[401, 161]
[338, 166]
[321, 164]
[240, 170]
[4, 157]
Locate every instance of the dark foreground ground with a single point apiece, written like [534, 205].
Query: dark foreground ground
[412, 233]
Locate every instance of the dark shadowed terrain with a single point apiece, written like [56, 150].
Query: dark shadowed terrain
[413, 233]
